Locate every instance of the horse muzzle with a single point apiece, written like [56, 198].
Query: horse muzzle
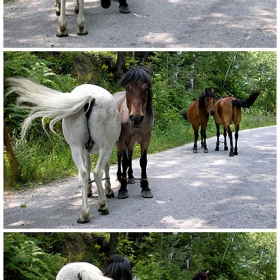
[212, 112]
[136, 121]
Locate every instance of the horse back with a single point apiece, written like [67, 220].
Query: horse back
[224, 111]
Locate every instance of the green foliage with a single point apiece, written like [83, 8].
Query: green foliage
[24, 259]
[178, 78]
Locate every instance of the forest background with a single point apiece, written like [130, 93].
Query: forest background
[160, 256]
[178, 78]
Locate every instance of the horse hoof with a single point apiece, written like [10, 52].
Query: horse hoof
[122, 194]
[205, 151]
[62, 33]
[110, 195]
[217, 149]
[104, 211]
[131, 181]
[235, 153]
[124, 9]
[231, 154]
[105, 4]
[82, 220]
[82, 31]
[89, 194]
[225, 148]
[147, 194]
[194, 151]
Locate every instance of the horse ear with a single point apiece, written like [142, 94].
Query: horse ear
[207, 272]
[107, 260]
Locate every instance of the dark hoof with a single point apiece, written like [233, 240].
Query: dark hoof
[89, 194]
[235, 153]
[217, 149]
[147, 194]
[105, 4]
[231, 154]
[226, 148]
[112, 195]
[124, 9]
[194, 151]
[205, 151]
[104, 211]
[123, 194]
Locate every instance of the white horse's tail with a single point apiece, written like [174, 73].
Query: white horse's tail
[48, 103]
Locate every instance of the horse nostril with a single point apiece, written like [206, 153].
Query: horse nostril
[212, 112]
[136, 121]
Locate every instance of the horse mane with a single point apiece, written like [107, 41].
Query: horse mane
[141, 74]
[205, 94]
[118, 268]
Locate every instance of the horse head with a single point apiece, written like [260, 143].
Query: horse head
[138, 94]
[118, 268]
[207, 100]
[201, 275]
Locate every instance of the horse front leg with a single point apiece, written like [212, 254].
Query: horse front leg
[203, 138]
[195, 128]
[131, 179]
[123, 193]
[61, 30]
[146, 191]
[81, 28]
[218, 137]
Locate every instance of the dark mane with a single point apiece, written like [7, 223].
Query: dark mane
[205, 94]
[119, 268]
[134, 75]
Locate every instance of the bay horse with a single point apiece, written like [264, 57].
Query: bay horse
[201, 275]
[62, 30]
[137, 120]
[228, 111]
[198, 115]
[117, 268]
[90, 122]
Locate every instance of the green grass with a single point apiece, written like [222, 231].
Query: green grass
[44, 160]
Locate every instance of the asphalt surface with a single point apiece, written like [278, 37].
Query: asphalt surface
[191, 191]
[151, 24]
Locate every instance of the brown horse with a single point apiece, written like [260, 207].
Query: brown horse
[201, 275]
[137, 120]
[228, 111]
[198, 115]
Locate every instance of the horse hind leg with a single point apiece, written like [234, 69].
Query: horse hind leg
[130, 176]
[236, 139]
[79, 160]
[225, 140]
[195, 139]
[218, 137]
[102, 164]
[88, 168]
[123, 193]
[108, 189]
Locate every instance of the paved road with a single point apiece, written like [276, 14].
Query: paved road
[151, 24]
[191, 191]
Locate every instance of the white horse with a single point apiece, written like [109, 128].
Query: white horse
[91, 124]
[117, 268]
[80, 271]
[79, 9]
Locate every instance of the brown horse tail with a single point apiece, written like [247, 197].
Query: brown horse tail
[184, 114]
[246, 103]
